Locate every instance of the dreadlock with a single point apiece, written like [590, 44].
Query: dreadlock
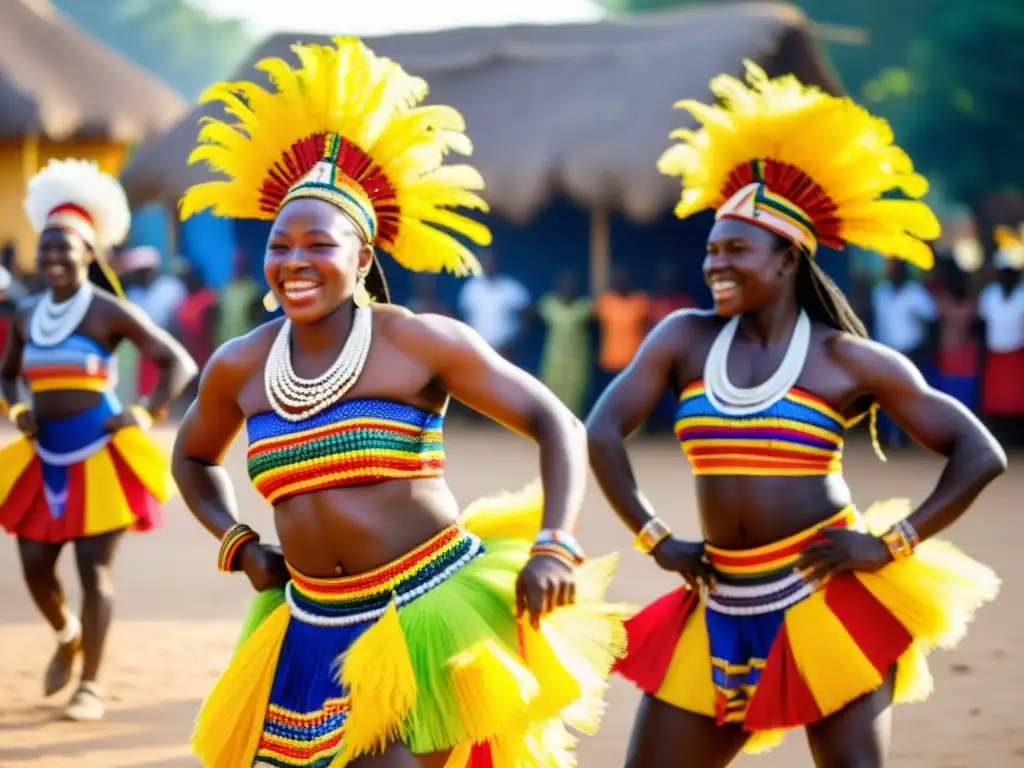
[824, 302]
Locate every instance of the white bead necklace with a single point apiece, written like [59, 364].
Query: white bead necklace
[737, 401]
[53, 321]
[294, 398]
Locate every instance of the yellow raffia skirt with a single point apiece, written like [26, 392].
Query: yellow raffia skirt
[76, 481]
[426, 651]
[767, 651]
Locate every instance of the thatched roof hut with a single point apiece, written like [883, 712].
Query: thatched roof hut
[57, 82]
[64, 94]
[582, 110]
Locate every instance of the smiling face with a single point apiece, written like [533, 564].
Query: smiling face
[747, 267]
[63, 259]
[313, 259]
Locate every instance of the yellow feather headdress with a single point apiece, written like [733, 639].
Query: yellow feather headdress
[348, 127]
[806, 165]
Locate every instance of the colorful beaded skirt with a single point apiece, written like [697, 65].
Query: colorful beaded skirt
[426, 651]
[768, 651]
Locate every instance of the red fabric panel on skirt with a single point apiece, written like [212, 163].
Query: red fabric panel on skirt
[147, 510]
[878, 633]
[18, 514]
[480, 757]
[782, 698]
[652, 636]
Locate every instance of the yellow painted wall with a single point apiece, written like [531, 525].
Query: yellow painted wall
[19, 160]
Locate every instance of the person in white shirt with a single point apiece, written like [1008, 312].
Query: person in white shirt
[903, 313]
[1001, 307]
[494, 305]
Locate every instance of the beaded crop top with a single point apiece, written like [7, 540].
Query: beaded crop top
[76, 363]
[801, 434]
[353, 442]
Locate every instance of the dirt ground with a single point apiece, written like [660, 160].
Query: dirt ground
[177, 618]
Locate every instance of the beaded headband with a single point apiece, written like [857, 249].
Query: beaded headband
[807, 165]
[74, 219]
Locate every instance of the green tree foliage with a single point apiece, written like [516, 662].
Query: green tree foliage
[176, 40]
[946, 73]
[958, 97]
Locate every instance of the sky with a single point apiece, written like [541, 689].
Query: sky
[380, 17]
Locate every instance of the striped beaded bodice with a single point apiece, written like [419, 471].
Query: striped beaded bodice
[353, 442]
[76, 363]
[801, 434]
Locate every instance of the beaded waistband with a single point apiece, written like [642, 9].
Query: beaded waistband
[365, 597]
[761, 580]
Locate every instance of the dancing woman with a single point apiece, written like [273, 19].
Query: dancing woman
[387, 633]
[798, 611]
[84, 469]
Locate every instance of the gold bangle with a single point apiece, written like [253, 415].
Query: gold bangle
[651, 535]
[143, 417]
[900, 542]
[15, 411]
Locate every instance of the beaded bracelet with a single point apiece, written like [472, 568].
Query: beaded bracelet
[236, 537]
[901, 540]
[651, 535]
[142, 417]
[15, 411]
[559, 544]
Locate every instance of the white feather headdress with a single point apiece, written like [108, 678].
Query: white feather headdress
[78, 196]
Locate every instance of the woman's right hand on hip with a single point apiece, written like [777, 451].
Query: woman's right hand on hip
[26, 424]
[685, 558]
[264, 565]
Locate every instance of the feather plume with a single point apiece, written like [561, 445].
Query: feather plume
[80, 183]
[375, 106]
[844, 150]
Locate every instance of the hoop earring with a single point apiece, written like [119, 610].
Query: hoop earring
[361, 297]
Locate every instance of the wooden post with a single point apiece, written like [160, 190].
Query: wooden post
[29, 166]
[600, 250]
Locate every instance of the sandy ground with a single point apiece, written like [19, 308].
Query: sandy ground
[177, 617]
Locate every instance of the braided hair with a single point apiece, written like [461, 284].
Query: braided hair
[820, 297]
[824, 302]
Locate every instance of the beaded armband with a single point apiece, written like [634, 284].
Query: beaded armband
[560, 544]
[651, 535]
[901, 540]
[237, 536]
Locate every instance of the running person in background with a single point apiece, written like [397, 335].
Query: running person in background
[84, 469]
[797, 611]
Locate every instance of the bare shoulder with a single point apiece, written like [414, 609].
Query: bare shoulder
[236, 360]
[866, 361]
[112, 306]
[683, 328]
[415, 332]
